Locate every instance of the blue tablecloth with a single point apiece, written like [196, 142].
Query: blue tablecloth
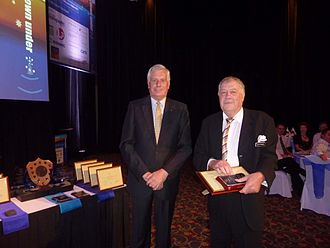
[101, 195]
[65, 206]
[318, 166]
[13, 223]
[297, 158]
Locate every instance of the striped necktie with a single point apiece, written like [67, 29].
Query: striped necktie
[225, 139]
[158, 121]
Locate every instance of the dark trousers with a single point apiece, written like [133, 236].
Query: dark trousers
[228, 225]
[141, 221]
[291, 167]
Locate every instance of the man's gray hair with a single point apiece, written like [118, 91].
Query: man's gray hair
[232, 78]
[159, 67]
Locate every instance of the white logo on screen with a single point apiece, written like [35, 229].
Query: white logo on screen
[29, 75]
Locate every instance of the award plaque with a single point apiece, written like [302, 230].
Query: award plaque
[218, 184]
[4, 189]
[93, 175]
[85, 172]
[39, 171]
[229, 182]
[79, 194]
[77, 167]
[61, 198]
[109, 178]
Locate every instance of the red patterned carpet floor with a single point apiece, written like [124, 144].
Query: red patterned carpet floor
[286, 225]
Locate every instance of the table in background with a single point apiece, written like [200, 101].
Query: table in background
[96, 224]
[316, 191]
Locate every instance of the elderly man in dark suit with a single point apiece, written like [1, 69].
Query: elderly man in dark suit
[155, 143]
[250, 142]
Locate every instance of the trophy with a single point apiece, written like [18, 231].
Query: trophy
[40, 173]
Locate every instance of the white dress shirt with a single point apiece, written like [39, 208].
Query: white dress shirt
[287, 143]
[233, 137]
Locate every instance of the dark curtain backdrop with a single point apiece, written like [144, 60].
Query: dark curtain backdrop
[22, 124]
[279, 48]
[73, 98]
[28, 128]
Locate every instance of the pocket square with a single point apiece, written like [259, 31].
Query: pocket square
[261, 141]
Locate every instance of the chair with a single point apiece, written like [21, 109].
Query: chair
[308, 198]
[282, 185]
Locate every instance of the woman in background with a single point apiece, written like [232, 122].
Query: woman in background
[303, 141]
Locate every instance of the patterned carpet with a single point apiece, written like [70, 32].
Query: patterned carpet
[286, 225]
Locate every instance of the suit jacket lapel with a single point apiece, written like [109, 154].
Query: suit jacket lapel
[247, 133]
[167, 117]
[218, 137]
[147, 114]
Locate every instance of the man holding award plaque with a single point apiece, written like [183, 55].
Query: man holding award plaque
[155, 143]
[237, 136]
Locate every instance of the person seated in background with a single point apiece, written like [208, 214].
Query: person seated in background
[322, 147]
[303, 141]
[283, 147]
[322, 126]
[285, 160]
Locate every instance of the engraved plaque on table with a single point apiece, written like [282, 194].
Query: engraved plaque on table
[77, 167]
[92, 173]
[4, 189]
[109, 178]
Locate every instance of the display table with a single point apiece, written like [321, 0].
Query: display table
[96, 224]
[319, 168]
[316, 191]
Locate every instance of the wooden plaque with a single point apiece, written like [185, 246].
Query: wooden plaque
[4, 190]
[210, 180]
[92, 173]
[85, 171]
[77, 167]
[109, 178]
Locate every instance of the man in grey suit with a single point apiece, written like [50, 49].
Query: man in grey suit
[250, 142]
[155, 143]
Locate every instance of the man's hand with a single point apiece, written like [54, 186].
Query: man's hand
[156, 179]
[221, 166]
[253, 183]
[146, 176]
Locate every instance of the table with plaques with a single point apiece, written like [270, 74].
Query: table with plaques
[95, 224]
